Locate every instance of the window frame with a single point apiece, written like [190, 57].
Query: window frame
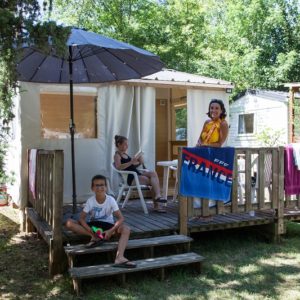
[239, 124]
[63, 134]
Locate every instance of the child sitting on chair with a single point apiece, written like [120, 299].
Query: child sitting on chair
[102, 208]
[124, 162]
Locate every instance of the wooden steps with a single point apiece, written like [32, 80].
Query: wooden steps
[74, 251]
[178, 243]
[160, 263]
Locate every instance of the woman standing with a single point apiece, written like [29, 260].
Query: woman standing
[124, 162]
[214, 133]
[215, 130]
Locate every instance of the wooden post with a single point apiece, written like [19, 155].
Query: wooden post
[261, 179]
[275, 174]
[56, 253]
[77, 286]
[280, 211]
[290, 115]
[183, 201]
[234, 188]
[248, 200]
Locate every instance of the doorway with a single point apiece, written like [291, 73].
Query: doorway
[171, 123]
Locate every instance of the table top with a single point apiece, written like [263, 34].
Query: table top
[168, 163]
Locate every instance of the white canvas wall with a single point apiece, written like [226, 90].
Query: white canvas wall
[267, 113]
[120, 111]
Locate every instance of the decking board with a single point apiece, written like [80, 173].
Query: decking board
[142, 265]
[155, 224]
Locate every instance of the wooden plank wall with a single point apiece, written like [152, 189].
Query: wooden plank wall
[48, 202]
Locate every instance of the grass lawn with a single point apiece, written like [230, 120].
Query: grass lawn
[239, 265]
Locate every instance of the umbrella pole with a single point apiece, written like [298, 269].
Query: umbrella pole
[72, 130]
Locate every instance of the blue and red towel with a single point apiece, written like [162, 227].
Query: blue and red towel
[206, 172]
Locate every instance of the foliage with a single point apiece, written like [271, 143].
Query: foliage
[270, 137]
[253, 43]
[19, 25]
[181, 117]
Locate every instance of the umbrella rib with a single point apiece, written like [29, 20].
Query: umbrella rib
[82, 58]
[81, 54]
[26, 56]
[113, 74]
[128, 53]
[61, 69]
[36, 70]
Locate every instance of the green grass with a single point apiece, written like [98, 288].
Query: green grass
[239, 265]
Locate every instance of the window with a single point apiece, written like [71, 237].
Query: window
[246, 123]
[181, 122]
[55, 116]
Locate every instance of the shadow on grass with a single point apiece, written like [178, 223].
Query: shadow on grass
[24, 266]
[241, 261]
[239, 264]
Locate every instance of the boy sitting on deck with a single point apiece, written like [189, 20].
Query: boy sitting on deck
[102, 208]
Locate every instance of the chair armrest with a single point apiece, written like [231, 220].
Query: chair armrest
[126, 172]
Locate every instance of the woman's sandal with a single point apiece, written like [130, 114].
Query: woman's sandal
[160, 200]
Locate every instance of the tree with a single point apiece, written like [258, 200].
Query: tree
[253, 43]
[19, 23]
[172, 29]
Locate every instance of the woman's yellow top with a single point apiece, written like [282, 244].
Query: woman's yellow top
[211, 132]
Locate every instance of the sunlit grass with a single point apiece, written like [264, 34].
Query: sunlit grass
[238, 265]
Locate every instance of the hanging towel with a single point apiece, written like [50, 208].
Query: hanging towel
[296, 154]
[206, 172]
[291, 173]
[32, 170]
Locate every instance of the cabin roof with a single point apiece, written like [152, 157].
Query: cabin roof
[177, 78]
[292, 84]
[267, 94]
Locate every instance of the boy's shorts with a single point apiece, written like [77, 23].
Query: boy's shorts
[104, 225]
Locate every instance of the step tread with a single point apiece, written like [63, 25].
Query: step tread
[142, 264]
[136, 243]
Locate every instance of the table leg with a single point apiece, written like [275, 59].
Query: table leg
[165, 182]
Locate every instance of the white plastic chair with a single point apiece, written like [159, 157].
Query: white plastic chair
[125, 188]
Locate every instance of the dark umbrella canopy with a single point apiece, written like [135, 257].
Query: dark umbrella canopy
[89, 58]
[95, 58]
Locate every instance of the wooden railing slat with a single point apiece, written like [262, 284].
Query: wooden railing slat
[234, 191]
[275, 178]
[248, 204]
[261, 178]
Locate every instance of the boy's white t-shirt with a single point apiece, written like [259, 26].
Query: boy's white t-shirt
[101, 212]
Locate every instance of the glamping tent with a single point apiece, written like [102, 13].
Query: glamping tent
[144, 110]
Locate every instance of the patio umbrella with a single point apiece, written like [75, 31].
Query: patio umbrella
[90, 58]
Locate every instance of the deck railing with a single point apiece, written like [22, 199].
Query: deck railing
[47, 203]
[257, 184]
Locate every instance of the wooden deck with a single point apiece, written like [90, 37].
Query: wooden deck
[46, 213]
[159, 224]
